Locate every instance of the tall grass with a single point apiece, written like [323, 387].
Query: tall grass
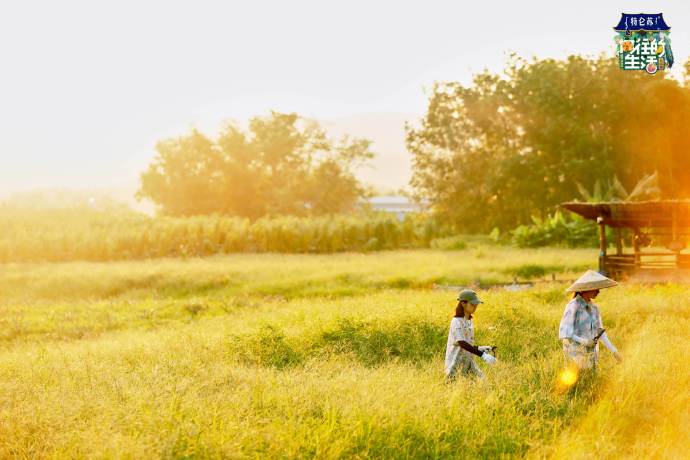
[243, 357]
[86, 234]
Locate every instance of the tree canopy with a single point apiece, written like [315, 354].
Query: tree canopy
[512, 146]
[281, 164]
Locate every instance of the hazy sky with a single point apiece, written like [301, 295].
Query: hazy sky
[87, 88]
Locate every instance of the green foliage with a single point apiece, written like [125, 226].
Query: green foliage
[268, 348]
[556, 230]
[283, 164]
[374, 344]
[647, 188]
[451, 243]
[85, 234]
[531, 271]
[567, 229]
[495, 153]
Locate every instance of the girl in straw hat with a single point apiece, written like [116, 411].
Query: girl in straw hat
[581, 327]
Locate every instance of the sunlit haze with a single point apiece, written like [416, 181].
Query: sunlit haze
[248, 229]
[88, 88]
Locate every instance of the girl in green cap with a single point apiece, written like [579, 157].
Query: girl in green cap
[460, 349]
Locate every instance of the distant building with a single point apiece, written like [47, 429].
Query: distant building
[396, 204]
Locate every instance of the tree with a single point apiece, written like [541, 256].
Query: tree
[283, 164]
[184, 177]
[513, 146]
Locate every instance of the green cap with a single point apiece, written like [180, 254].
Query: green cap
[470, 296]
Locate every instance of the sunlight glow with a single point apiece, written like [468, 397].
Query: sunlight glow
[567, 378]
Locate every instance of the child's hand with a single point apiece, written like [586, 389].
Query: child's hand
[489, 359]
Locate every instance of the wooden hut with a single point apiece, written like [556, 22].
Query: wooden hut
[666, 224]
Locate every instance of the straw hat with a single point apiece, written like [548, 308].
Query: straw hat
[590, 281]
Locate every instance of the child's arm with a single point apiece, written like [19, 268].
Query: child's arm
[467, 347]
[476, 351]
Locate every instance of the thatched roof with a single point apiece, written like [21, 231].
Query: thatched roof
[636, 214]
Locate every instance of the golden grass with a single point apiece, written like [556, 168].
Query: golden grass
[326, 357]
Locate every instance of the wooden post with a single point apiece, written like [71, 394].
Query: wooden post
[636, 247]
[619, 242]
[676, 243]
[602, 244]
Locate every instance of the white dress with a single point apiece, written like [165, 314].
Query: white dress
[457, 359]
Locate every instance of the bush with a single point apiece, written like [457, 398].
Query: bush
[530, 271]
[451, 243]
[556, 230]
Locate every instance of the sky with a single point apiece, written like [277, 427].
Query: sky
[87, 88]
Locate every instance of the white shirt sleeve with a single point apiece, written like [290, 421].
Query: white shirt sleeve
[605, 340]
[458, 331]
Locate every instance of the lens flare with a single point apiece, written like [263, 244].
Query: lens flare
[567, 378]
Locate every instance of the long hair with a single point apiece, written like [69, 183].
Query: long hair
[579, 293]
[460, 310]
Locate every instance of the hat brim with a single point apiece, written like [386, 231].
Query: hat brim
[473, 302]
[592, 285]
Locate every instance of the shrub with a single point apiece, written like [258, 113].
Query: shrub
[530, 271]
[451, 243]
[557, 230]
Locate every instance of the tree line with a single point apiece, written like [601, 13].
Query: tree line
[513, 146]
[492, 154]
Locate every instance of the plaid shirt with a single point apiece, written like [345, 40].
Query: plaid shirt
[582, 319]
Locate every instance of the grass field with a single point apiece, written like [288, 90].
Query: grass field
[329, 356]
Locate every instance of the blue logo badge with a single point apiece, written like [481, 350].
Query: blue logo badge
[643, 42]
